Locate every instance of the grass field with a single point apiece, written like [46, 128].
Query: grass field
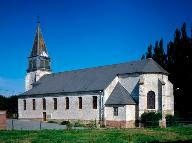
[179, 134]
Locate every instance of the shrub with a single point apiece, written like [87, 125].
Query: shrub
[51, 121]
[78, 123]
[151, 119]
[68, 124]
[92, 124]
[64, 122]
[171, 120]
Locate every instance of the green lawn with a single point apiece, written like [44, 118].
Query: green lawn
[179, 134]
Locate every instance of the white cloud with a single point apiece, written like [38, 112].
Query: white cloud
[11, 86]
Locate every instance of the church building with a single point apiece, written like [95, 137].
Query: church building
[114, 95]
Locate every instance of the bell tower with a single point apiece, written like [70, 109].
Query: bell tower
[38, 61]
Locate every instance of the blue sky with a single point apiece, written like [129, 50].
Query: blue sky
[83, 33]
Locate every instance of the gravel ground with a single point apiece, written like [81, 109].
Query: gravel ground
[31, 125]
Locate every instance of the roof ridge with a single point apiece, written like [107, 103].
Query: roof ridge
[97, 67]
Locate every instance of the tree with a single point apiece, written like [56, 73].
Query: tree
[159, 54]
[143, 57]
[149, 51]
[177, 61]
[9, 104]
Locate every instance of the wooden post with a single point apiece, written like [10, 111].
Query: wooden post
[3, 120]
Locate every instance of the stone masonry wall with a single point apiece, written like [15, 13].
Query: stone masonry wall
[163, 93]
[29, 79]
[125, 118]
[73, 113]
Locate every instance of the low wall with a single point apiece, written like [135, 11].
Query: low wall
[120, 124]
[3, 119]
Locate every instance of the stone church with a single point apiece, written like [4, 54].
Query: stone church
[114, 95]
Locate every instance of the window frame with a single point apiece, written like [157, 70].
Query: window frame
[94, 102]
[151, 100]
[55, 103]
[34, 104]
[115, 111]
[80, 102]
[24, 104]
[66, 102]
[44, 103]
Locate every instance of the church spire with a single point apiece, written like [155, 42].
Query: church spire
[39, 59]
[39, 48]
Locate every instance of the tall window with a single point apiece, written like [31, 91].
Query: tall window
[115, 111]
[30, 64]
[34, 63]
[34, 104]
[55, 103]
[24, 104]
[44, 104]
[42, 63]
[151, 100]
[67, 102]
[80, 102]
[94, 102]
[47, 64]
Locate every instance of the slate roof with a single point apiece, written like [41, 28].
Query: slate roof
[91, 79]
[39, 47]
[120, 96]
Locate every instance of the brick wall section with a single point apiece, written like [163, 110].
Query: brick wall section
[120, 124]
[3, 120]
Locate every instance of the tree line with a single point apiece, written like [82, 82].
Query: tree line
[10, 104]
[177, 60]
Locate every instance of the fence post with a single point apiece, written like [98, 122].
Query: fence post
[12, 125]
[40, 125]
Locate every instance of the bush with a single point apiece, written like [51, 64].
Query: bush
[92, 124]
[171, 120]
[51, 121]
[78, 123]
[67, 123]
[151, 119]
[64, 122]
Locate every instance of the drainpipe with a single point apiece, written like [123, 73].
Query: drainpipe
[101, 107]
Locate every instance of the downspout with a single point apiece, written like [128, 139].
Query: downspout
[101, 108]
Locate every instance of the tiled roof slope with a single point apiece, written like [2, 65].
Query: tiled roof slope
[91, 79]
[120, 96]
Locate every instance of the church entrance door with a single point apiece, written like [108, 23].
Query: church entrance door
[44, 116]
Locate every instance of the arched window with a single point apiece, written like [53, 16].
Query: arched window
[151, 100]
[34, 63]
[44, 104]
[67, 102]
[30, 64]
[80, 102]
[42, 64]
[24, 104]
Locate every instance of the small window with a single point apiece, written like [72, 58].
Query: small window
[24, 104]
[80, 102]
[67, 102]
[55, 103]
[115, 111]
[34, 104]
[44, 104]
[151, 100]
[94, 102]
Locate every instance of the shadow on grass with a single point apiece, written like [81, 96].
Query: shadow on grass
[180, 141]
